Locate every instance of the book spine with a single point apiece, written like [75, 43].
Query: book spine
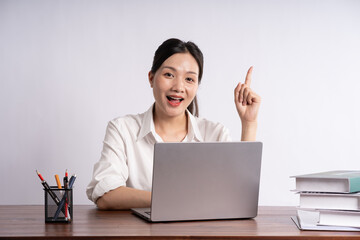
[354, 184]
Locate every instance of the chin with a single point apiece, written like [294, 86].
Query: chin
[175, 111]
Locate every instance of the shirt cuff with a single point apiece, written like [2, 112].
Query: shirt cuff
[106, 185]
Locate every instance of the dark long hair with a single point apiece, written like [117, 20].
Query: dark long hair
[173, 46]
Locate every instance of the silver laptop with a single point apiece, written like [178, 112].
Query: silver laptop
[203, 181]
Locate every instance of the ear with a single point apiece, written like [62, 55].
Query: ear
[151, 78]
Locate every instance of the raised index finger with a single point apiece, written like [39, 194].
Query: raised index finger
[248, 76]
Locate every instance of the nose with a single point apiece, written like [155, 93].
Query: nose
[178, 85]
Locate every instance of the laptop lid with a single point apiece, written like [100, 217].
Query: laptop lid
[198, 181]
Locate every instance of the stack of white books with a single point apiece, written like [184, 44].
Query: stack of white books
[328, 201]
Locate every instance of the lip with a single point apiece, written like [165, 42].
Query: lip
[175, 96]
[174, 103]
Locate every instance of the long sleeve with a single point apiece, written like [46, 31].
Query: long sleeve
[111, 171]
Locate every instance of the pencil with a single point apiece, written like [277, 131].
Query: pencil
[47, 187]
[58, 181]
[63, 200]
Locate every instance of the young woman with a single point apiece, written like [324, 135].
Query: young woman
[122, 178]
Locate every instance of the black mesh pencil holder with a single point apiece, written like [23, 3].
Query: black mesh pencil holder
[58, 205]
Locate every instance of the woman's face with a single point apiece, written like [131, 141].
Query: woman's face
[175, 84]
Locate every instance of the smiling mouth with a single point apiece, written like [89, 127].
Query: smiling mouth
[174, 101]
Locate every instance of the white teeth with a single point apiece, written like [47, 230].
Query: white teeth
[175, 98]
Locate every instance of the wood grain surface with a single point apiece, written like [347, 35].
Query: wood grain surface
[27, 221]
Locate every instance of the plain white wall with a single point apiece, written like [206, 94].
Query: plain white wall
[68, 67]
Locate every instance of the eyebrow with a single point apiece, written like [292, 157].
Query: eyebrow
[172, 68]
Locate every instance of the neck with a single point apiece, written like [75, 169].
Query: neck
[170, 129]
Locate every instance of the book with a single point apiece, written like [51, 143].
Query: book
[340, 218]
[337, 201]
[342, 181]
[315, 227]
[331, 219]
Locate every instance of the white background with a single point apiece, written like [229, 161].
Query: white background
[68, 67]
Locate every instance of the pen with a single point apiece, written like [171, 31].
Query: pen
[62, 202]
[67, 216]
[66, 180]
[58, 181]
[47, 187]
[72, 180]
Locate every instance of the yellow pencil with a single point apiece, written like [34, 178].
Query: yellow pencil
[58, 181]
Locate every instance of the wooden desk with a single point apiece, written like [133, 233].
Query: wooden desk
[90, 223]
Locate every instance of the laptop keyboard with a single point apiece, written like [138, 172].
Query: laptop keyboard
[148, 213]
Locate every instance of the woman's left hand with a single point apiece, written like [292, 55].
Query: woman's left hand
[247, 102]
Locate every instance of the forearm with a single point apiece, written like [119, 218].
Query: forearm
[124, 198]
[248, 131]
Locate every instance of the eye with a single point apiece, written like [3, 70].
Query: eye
[188, 79]
[168, 75]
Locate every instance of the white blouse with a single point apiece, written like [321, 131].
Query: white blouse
[127, 155]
